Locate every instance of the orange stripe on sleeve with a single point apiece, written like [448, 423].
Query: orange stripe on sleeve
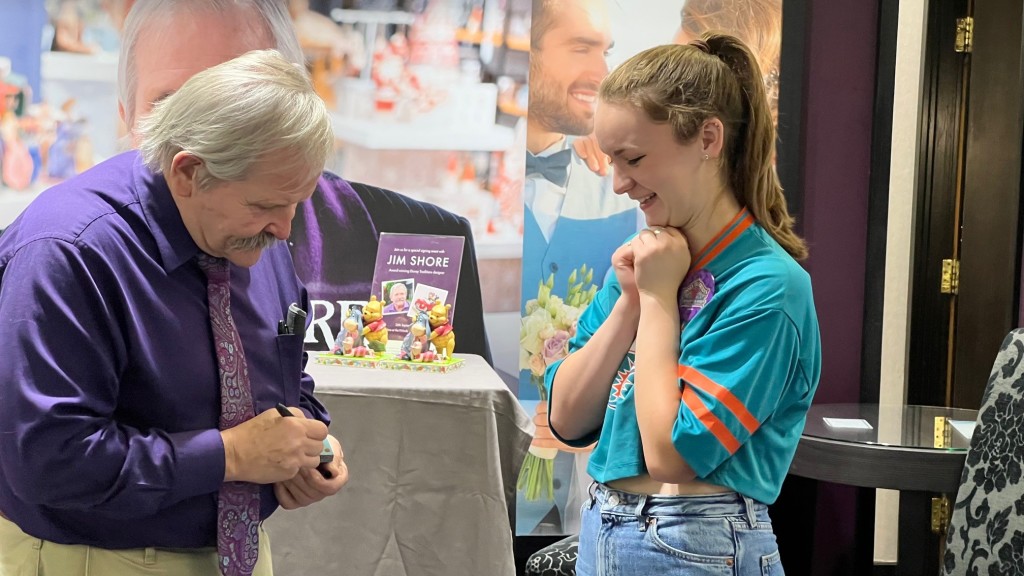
[748, 220]
[722, 394]
[710, 421]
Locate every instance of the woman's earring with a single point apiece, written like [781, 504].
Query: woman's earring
[706, 157]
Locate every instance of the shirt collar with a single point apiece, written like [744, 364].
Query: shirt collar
[725, 237]
[558, 146]
[173, 240]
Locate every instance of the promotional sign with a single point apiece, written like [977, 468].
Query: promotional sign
[414, 272]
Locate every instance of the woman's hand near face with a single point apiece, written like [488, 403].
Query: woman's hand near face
[661, 259]
[622, 263]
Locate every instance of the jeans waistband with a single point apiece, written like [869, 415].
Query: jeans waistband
[621, 503]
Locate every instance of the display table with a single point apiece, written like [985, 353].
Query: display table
[899, 451]
[433, 462]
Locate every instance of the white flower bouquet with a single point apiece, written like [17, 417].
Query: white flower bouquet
[544, 334]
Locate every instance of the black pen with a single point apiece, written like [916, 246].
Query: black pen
[326, 456]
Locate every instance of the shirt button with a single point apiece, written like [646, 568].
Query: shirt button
[554, 267]
[613, 500]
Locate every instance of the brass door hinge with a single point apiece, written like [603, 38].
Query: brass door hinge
[943, 433]
[940, 515]
[964, 34]
[950, 277]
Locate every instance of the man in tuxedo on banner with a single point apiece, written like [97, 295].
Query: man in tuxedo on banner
[571, 215]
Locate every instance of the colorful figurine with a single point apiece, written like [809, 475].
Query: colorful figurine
[350, 339]
[16, 163]
[416, 345]
[442, 335]
[374, 328]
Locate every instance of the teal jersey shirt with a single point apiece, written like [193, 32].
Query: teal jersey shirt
[749, 363]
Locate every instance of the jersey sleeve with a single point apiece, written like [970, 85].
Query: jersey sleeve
[586, 325]
[731, 379]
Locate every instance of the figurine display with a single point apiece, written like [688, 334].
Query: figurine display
[441, 334]
[375, 330]
[16, 164]
[416, 345]
[363, 341]
[393, 79]
[350, 339]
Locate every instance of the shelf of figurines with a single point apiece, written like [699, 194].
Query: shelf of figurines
[402, 108]
[429, 362]
[378, 133]
[517, 43]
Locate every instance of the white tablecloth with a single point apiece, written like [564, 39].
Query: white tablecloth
[433, 460]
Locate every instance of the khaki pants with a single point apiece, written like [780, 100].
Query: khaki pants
[23, 555]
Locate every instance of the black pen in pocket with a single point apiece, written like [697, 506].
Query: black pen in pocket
[326, 455]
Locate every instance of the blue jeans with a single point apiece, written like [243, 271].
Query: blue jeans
[624, 534]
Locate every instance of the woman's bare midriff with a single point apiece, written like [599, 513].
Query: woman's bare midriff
[644, 484]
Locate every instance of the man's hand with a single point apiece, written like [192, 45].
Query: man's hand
[270, 448]
[309, 486]
[586, 148]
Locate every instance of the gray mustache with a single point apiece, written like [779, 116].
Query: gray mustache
[260, 241]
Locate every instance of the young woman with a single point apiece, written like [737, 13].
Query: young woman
[695, 366]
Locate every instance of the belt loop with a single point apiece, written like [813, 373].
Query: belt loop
[640, 505]
[592, 490]
[149, 556]
[748, 503]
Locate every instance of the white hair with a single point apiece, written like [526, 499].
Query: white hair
[236, 114]
[271, 16]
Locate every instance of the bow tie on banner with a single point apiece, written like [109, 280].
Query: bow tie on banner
[554, 167]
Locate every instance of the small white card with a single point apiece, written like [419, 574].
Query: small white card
[964, 427]
[848, 423]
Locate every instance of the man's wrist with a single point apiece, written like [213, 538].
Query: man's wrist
[230, 457]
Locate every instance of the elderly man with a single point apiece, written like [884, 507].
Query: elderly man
[334, 234]
[397, 295]
[143, 358]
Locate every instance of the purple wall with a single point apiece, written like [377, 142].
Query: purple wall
[839, 97]
[839, 104]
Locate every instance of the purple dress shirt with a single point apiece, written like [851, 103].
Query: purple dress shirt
[109, 391]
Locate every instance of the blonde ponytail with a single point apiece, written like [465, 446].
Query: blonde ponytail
[714, 77]
[752, 161]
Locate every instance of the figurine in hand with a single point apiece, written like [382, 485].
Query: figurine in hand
[350, 339]
[416, 345]
[441, 334]
[374, 328]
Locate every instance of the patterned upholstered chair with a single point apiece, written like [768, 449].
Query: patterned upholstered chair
[986, 534]
[558, 559]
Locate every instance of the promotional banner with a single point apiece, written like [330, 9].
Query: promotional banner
[573, 221]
